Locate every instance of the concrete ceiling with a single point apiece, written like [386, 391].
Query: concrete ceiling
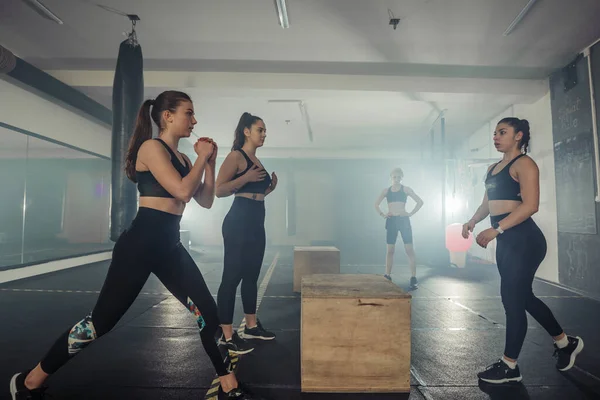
[365, 84]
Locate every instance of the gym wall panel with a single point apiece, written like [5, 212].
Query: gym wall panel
[575, 165]
[480, 142]
[25, 109]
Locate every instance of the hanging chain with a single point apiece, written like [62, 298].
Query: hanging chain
[132, 36]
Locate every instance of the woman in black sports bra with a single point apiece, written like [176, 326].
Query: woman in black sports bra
[167, 180]
[397, 219]
[243, 231]
[511, 198]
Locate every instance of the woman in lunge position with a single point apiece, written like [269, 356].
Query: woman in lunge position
[398, 220]
[167, 180]
[243, 229]
[511, 198]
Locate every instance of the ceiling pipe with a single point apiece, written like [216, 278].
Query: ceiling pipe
[519, 17]
[44, 11]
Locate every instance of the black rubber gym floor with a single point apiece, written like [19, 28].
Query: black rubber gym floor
[155, 352]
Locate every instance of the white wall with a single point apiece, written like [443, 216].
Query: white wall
[539, 116]
[314, 219]
[479, 146]
[26, 110]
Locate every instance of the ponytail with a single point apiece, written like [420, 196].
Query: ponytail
[168, 100]
[519, 125]
[141, 133]
[246, 121]
[524, 127]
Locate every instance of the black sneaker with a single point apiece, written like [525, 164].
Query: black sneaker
[566, 356]
[258, 332]
[18, 391]
[414, 284]
[240, 393]
[236, 345]
[388, 277]
[500, 373]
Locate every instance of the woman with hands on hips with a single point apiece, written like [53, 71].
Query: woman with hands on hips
[397, 220]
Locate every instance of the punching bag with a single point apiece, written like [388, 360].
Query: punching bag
[128, 95]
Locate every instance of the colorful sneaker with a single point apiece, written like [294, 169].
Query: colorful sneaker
[567, 355]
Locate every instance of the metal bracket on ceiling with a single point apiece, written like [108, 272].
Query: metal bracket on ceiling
[132, 36]
[393, 20]
[134, 18]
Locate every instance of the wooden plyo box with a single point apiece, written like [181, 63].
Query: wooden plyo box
[310, 260]
[355, 334]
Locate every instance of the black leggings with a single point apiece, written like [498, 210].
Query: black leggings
[150, 245]
[244, 240]
[395, 224]
[520, 251]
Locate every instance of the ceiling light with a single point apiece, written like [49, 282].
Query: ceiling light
[44, 11]
[282, 13]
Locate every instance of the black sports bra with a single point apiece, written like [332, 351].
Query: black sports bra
[502, 186]
[252, 187]
[393, 197]
[148, 186]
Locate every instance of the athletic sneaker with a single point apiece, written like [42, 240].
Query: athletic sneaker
[236, 345]
[414, 284]
[566, 356]
[18, 391]
[500, 373]
[388, 277]
[241, 393]
[258, 332]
